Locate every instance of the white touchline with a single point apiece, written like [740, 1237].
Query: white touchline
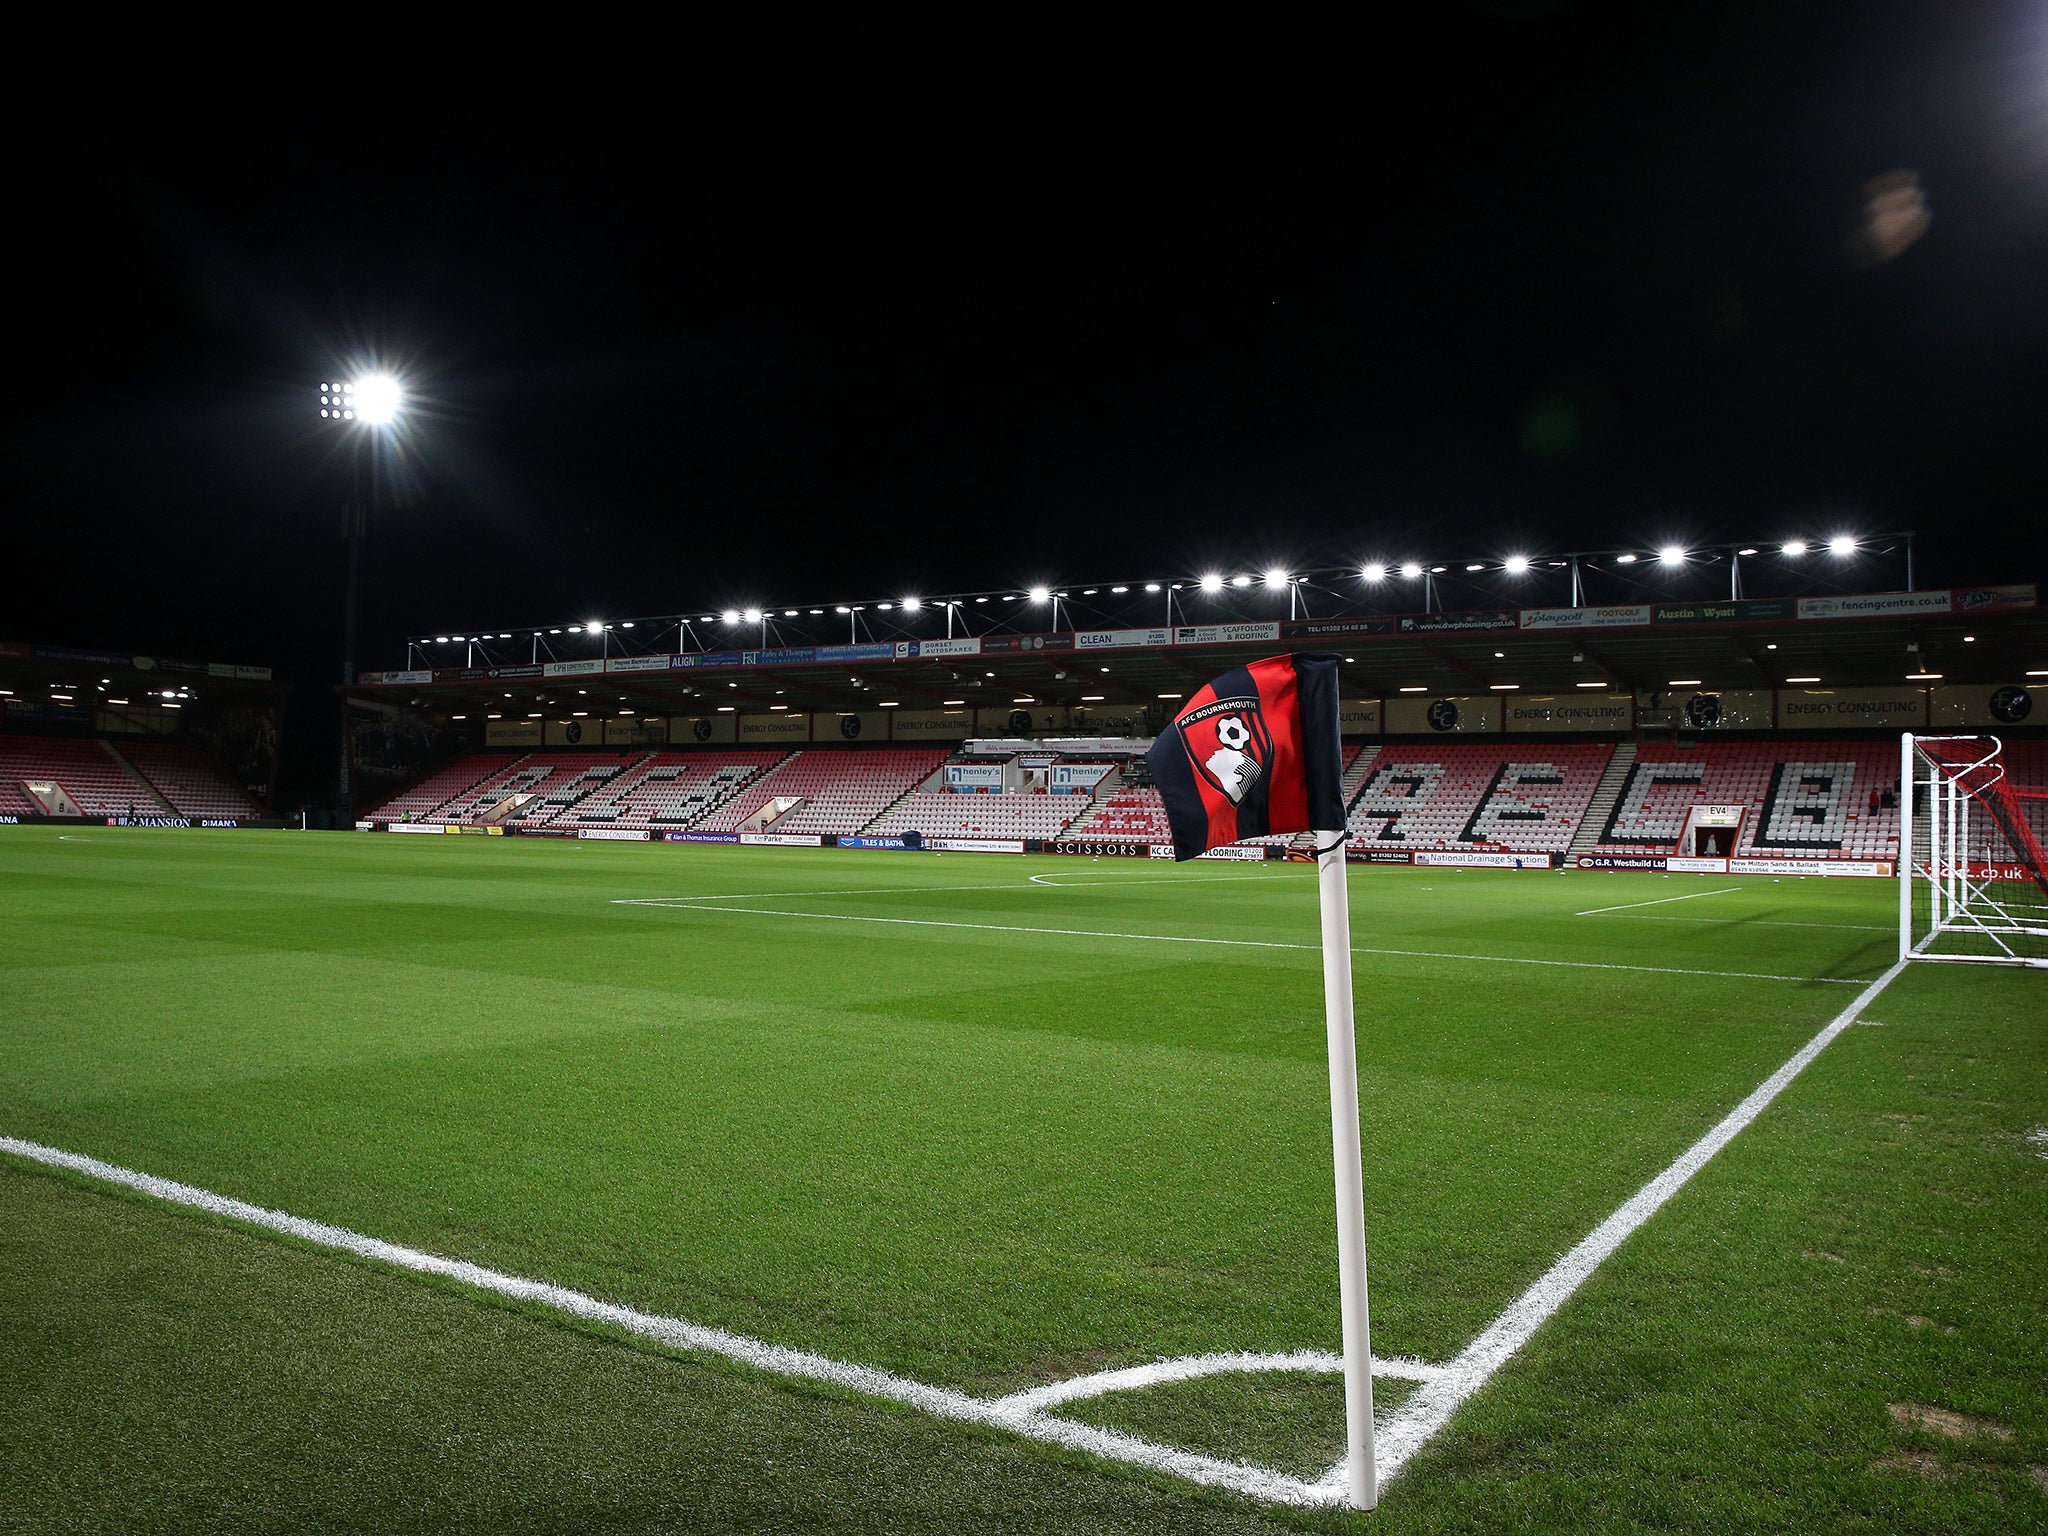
[1052, 881]
[1240, 1477]
[1179, 938]
[1443, 1389]
[1660, 901]
[1416, 1420]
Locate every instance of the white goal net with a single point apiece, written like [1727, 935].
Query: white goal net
[1974, 887]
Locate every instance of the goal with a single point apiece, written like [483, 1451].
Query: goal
[1974, 884]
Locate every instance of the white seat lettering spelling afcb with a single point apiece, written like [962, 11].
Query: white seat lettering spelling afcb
[1648, 813]
[1808, 805]
[1396, 792]
[1519, 801]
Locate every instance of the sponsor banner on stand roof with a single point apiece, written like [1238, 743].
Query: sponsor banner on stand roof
[1452, 623]
[15, 650]
[1873, 605]
[475, 674]
[1358, 717]
[231, 669]
[1332, 628]
[1422, 714]
[611, 834]
[851, 725]
[880, 650]
[1224, 634]
[512, 733]
[1446, 859]
[1114, 639]
[782, 725]
[1109, 720]
[1727, 709]
[1836, 709]
[931, 724]
[1740, 611]
[572, 732]
[2006, 704]
[781, 656]
[991, 644]
[571, 668]
[394, 679]
[637, 731]
[714, 730]
[907, 649]
[782, 839]
[1624, 616]
[634, 664]
[1569, 711]
[700, 837]
[1992, 599]
[1019, 720]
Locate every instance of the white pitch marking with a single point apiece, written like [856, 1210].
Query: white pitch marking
[943, 1402]
[1660, 901]
[1178, 938]
[1763, 922]
[1052, 880]
[1194, 1367]
[1418, 1419]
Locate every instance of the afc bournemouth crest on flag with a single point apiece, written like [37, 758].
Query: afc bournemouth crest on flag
[1228, 745]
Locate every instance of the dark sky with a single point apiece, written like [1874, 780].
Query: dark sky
[802, 318]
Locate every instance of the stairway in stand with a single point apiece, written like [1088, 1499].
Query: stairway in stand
[1594, 822]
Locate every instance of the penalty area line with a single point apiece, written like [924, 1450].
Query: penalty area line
[1660, 901]
[1020, 1418]
[1417, 1420]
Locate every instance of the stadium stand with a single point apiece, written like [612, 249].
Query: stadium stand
[1807, 799]
[1456, 796]
[97, 779]
[1132, 813]
[671, 790]
[523, 777]
[576, 777]
[437, 789]
[945, 814]
[842, 789]
[185, 778]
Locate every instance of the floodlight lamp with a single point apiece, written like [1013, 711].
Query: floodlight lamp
[1475, 566]
[440, 639]
[731, 615]
[1240, 581]
[752, 615]
[1517, 565]
[378, 399]
[1040, 594]
[1624, 559]
[1119, 590]
[1792, 547]
[1212, 583]
[1842, 544]
[1151, 586]
[1276, 578]
[1411, 570]
[1376, 571]
[1672, 554]
[594, 627]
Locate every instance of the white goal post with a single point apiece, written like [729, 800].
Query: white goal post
[1972, 886]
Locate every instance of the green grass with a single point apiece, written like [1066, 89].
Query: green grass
[988, 1159]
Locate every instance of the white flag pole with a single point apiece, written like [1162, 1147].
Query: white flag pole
[1361, 1470]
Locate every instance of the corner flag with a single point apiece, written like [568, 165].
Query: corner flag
[1254, 754]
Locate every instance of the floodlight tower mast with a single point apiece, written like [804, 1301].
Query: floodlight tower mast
[365, 407]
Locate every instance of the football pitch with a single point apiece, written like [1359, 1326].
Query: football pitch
[869, 1183]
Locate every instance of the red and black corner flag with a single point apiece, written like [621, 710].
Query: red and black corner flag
[1255, 753]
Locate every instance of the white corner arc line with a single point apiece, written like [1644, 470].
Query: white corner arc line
[1193, 1367]
[942, 1402]
[1658, 902]
[1431, 1407]
[1182, 938]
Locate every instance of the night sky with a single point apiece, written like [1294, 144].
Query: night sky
[805, 318]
